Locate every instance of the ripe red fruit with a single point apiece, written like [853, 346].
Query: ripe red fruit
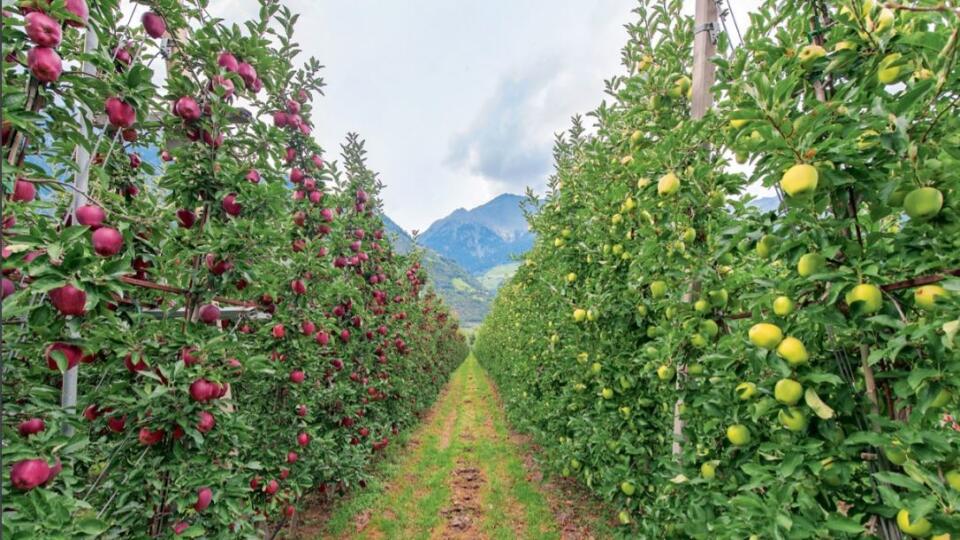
[23, 191]
[345, 335]
[186, 108]
[120, 114]
[203, 390]
[45, 64]
[135, 160]
[148, 437]
[280, 119]
[248, 74]
[206, 422]
[316, 197]
[298, 286]
[107, 241]
[90, 215]
[204, 496]
[31, 427]
[42, 29]
[279, 331]
[186, 354]
[293, 107]
[92, 412]
[71, 352]
[116, 424]
[301, 410]
[217, 266]
[228, 61]
[27, 474]
[209, 314]
[327, 215]
[254, 483]
[337, 364]
[186, 218]
[122, 57]
[289, 511]
[303, 439]
[154, 24]
[141, 365]
[297, 376]
[223, 85]
[253, 176]
[307, 328]
[230, 205]
[317, 161]
[292, 457]
[78, 8]
[296, 175]
[130, 135]
[68, 300]
[179, 527]
[271, 487]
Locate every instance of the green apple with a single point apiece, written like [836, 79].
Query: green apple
[746, 390]
[668, 184]
[575, 464]
[695, 369]
[895, 455]
[793, 351]
[783, 306]
[766, 245]
[579, 315]
[809, 53]
[766, 335]
[701, 306]
[793, 419]
[689, 235]
[596, 367]
[627, 488]
[624, 517]
[738, 435]
[665, 372]
[788, 391]
[607, 393]
[571, 277]
[923, 203]
[583, 357]
[698, 341]
[658, 289]
[801, 179]
[926, 296]
[625, 411]
[920, 527]
[810, 264]
[719, 298]
[708, 470]
[953, 479]
[869, 296]
[942, 398]
[709, 328]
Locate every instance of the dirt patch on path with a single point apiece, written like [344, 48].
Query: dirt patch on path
[462, 516]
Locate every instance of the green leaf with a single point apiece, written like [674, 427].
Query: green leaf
[814, 402]
[897, 479]
[839, 523]
[92, 526]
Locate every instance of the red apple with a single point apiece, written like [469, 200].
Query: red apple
[23, 191]
[278, 331]
[206, 422]
[186, 218]
[297, 376]
[42, 29]
[209, 314]
[298, 286]
[204, 496]
[27, 474]
[107, 241]
[68, 300]
[303, 439]
[247, 73]
[31, 427]
[230, 205]
[228, 62]
[71, 352]
[186, 108]
[154, 24]
[120, 114]
[148, 437]
[90, 215]
[45, 64]
[253, 176]
[141, 365]
[78, 9]
[292, 457]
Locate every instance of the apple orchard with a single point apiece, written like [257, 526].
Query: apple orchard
[715, 370]
[191, 345]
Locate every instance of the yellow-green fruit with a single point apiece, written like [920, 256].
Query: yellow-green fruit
[626, 160]
[788, 391]
[627, 488]
[635, 136]
[591, 315]
[810, 264]
[766, 245]
[737, 123]
[746, 390]
[741, 157]
[868, 139]
[583, 357]
[719, 298]
[887, 73]
[680, 87]
[616, 219]
[579, 315]
[629, 204]
[575, 464]
[642, 183]
[869, 296]
[953, 479]
[800, 180]
[920, 527]
[607, 393]
[571, 277]
[566, 233]
[668, 184]
[926, 296]
[942, 398]
[792, 350]
[738, 435]
[701, 305]
[625, 411]
[844, 46]
[923, 203]
[708, 471]
[624, 517]
[809, 53]
[895, 455]
[783, 306]
[695, 369]
[698, 341]
[793, 419]
[658, 289]
[884, 20]
[665, 372]
[596, 367]
[766, 335]
[709, 328]
[689, 235]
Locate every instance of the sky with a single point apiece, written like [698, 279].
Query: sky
[459, 101]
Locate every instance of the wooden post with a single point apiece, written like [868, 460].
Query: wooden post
[706, 27]
[68, 394]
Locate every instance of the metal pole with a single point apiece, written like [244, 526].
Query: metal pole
[68, 396]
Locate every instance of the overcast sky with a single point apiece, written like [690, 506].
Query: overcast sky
[458, 101]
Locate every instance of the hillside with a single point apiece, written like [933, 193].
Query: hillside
[458, 288]
[483, 237]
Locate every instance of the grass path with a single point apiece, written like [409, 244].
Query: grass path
[461, 475]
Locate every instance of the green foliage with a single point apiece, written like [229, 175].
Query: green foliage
[599, 389]
[392, 343]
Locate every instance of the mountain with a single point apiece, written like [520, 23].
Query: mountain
[484, 237]
[460, 290]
